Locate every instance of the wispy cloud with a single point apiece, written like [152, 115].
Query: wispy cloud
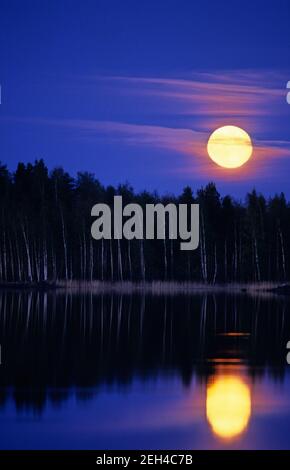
[183, 141]
[189, 144]
[205, 101]
[224, 94]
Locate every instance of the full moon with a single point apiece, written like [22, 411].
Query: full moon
[230, 146]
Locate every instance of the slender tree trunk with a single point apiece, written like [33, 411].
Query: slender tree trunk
[129, 260]
[282, 253]
[277, 256]
[257, 260]
[142, 259]
[226, 260]
[81, 260]
[241, 272]
[215, 265]
[4, 255]
[54, 268]
[165, 260]
[236, 256]
[112, 261]
[64, 245]
[45, 262]
[29, 267]
[18, 261]
[171, 260]
[11, 257]
[84, 254]
[204, 254]
[102, 259]
[120, 260]
[36, 261]
[91, 260]
[201, 256]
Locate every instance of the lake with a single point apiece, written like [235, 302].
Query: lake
[82, 370]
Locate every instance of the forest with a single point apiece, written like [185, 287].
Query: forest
[46, 222]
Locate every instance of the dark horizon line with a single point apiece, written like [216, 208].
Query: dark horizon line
[127, 184]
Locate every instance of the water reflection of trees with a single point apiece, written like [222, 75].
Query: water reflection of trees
[53, 342]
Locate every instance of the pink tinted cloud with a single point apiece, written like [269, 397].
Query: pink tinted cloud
[192, 145]
[266, 154]
[240, 98]
[224, 94]
[183, 141]
[189, 144]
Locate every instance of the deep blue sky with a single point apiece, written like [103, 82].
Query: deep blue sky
[131, 90]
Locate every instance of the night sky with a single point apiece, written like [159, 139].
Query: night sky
[131, 90]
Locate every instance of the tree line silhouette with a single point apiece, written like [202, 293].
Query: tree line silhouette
[46, 222]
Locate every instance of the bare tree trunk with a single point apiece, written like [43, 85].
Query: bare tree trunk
[282, 253]
[165, 260]
[240, 255]
[226, 260]
[277, 256]
[71, 267]
[81, 260]
[112, 261]
[18, 262]
[171, 259]
[54, 270]
[91, 260]
[4, 255]
[203, 251]
[102, 259]
[129, 260]
[215, 265]
[257, 260]
[236, 256]
[11, 257]
[29, 268]
[36, 261]
[142, 259]
[201, 256]
[85, 254]
[45, 265]
[120, 260]
[64, 245]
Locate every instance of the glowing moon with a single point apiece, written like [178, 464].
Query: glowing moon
[230, 146]
[228, 406]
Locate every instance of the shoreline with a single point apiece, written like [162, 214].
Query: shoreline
[153, 287]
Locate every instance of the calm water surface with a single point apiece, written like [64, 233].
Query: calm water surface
[90, 371]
